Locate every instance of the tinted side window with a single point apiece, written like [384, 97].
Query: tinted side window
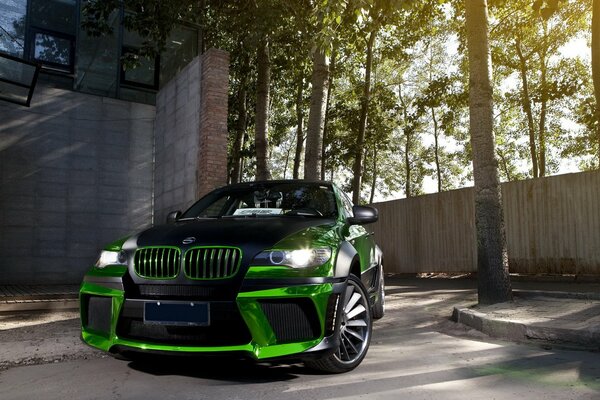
[347, 205]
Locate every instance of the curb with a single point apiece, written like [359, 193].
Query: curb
[520, 332]
[522, 293]
[48, 305]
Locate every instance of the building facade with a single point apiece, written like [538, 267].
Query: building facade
[101, 152]
[49, 32]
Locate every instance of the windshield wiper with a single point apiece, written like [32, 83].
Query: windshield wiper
[198, 218]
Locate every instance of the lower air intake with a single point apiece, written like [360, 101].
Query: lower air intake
[292, 320]
[98, 313]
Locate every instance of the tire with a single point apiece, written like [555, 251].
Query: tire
[379, 306]
[355, 326]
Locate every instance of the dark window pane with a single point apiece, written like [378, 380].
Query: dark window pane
[54, 15]
[52, 49]
[143, 74]
[16, 71]
[98, 61]
[181, 48]
[12, 26]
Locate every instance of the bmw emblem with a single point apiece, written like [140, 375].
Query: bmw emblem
[189, 240]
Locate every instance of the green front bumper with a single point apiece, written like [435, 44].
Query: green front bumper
[264, 343]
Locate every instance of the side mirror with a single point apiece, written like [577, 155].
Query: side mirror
[363, 215]
[173, 216]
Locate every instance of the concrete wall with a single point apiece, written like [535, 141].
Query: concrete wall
[176, 130]
[75, 173]
[552, 226]
[191, 134]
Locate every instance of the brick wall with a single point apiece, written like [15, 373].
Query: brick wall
[212, 152]
[75, 174]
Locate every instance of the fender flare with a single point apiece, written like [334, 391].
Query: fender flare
[343, 262]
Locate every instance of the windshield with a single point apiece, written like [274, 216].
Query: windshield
[267, 199]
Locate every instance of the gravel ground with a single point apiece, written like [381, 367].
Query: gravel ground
[29, 338]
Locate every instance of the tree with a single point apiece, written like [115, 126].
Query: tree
[316, 117]
[299, 127]
[596, 67]
[526, 41]
[263, 81]
[492, 259]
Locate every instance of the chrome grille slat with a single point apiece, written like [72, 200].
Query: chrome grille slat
[206, 263]
[157, 262]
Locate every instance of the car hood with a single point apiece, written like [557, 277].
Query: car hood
[251, 234]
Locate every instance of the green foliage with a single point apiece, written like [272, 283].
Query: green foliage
[419, 83]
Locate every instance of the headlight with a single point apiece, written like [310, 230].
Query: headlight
[301, 258]
[111, 258]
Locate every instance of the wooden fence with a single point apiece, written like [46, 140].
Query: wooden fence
[552, 226]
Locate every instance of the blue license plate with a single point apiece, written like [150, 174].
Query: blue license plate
[177, 313]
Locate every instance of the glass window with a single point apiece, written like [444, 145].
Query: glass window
[53, 50]
[12, 26]
[97, 67]
[267, 199]
[144, 74]
[54, 15]
[347, 205]
[17, 79]
[52, 27]
[181, 48]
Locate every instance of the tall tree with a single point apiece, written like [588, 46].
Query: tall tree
[316, 117]
[492, 259]
[299, 127]
[527, 42]
[240, 128]
[364, 110]
[263, 81]
[596, 66]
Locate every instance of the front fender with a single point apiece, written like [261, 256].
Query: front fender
[343, 262]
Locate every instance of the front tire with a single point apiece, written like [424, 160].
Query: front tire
[355, 326]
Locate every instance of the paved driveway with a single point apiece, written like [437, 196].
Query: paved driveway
[415, 354]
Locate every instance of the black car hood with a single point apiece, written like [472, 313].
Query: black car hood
[251, 234]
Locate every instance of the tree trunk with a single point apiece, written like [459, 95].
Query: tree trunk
[407, 135]
[596, 67]
[542, 125]
[241, 123]
[492, 261]
[327, 103]
[362, 126]
[316, 117]
[436, 150]
[299, 128]
[526, 103]
[374, 180]
[544, 102]
[505, 166]
[263, 66]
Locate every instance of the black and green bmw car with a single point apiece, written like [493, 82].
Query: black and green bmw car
[268, 270]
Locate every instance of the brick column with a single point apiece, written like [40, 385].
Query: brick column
[212, 149]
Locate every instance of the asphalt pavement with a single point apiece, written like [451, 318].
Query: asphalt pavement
[40, 324]
[417, 352]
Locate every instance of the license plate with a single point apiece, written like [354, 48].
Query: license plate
[179, 313]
